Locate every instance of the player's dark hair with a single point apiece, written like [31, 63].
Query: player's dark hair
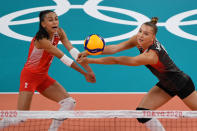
[152, 24]
[42, 33]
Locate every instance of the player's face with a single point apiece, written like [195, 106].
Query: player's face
[51, 22]
[145, 36]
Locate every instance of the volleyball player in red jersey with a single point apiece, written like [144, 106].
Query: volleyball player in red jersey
[172, 81]
[34, 75]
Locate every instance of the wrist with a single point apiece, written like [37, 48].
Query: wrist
[84, 73]
[86, 53]
[66, 60]
[74, 53]
[89, 60]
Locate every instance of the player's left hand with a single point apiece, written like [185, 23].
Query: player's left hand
[82, 60]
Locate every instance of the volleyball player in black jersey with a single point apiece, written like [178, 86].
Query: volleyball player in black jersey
[172, 81]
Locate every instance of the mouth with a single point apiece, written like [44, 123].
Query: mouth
[140, 40]
[55, 27]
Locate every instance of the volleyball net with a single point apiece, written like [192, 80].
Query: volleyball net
[95, 120]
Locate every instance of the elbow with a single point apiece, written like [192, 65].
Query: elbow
[131, 61]
[135, 62]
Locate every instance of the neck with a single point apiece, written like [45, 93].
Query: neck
[51, 35]
[147, 45]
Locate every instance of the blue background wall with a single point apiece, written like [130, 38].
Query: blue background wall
[78, 25]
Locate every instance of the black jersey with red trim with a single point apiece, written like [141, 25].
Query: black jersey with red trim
[165, 70]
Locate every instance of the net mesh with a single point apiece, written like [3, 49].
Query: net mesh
[100, 120]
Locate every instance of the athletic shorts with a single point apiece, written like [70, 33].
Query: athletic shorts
[185, 91]
[32, 81]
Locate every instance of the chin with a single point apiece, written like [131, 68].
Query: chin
[52, 31]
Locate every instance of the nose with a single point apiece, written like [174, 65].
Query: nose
[55, 22]
[141, 35]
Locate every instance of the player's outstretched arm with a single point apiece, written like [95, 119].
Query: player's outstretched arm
[46, 45]
[112, 49]
[74, 53]
[142, 59]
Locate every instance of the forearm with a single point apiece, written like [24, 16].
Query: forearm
[104, 60]
[77, 68]
[75, 54]
[69, 62]
[122, 60]
[87, 67]
[110, 49]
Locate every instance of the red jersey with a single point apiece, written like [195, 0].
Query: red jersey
[39, 60]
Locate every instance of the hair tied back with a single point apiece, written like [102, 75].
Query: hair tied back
[154, 20]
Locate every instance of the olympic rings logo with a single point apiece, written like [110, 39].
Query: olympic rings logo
[92, 9]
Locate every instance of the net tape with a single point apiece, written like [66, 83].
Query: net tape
[97, 114]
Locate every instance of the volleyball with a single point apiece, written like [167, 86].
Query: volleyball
[94, 44]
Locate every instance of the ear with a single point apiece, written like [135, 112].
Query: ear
[43, 24]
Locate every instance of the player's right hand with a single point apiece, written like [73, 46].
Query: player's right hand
[82, 55]
[83, 60]
[90, 77]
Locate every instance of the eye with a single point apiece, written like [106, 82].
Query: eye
[146, 34]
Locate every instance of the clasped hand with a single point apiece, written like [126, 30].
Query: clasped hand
[82, 58]
[90, 77]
